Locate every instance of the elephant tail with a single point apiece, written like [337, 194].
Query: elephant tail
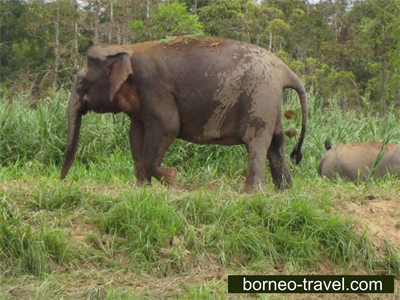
[296, 84]
[328, 145]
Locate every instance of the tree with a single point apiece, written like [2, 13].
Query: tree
[222, 18]
[11, 12]
[393, 85]
[380, 30]
[173, 19]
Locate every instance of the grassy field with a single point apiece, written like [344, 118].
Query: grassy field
[96, 237]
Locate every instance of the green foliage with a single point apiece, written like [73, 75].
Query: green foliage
[393, 90]
[138, 27]
[222, 18]
[357, 40]
[11, 13]
[173, 19]
[341, 84]
[295, 65]
[31, 49]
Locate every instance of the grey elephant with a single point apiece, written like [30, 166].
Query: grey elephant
[358, 161]
[203, 90]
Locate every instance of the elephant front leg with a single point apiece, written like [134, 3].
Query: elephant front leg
[136, 140]
[157, 141]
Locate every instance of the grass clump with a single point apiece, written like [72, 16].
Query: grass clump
[209, 291]
[295, 231]
[62, 195]
[145, 220]
[117, 294]
[303, 233]
[28, 250]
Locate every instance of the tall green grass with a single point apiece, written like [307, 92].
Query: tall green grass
[343, 127]
[34, 133]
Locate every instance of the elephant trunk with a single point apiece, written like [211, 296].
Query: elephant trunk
[74, 125]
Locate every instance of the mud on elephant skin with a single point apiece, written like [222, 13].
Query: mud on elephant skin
[203, 90]
[358, 161]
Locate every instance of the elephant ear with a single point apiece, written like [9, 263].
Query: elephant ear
[120, 69]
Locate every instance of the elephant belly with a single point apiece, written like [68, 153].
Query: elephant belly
[215, 127]
[198, 136]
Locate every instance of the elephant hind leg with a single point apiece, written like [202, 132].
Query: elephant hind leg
[257, 152]
[277, 159]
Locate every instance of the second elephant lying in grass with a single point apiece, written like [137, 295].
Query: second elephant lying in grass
[358, 161]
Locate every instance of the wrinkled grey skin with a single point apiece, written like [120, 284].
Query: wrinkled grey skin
[356, 161]
[207, 91]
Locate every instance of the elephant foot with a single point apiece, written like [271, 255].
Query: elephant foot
[250, 188]
[140, 184]
[141, 179]
[169, 175]
[283, 184]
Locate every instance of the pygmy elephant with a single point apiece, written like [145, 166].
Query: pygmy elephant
[203, 90]
[358, 161]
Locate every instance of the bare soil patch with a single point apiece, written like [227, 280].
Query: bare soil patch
[381, 217]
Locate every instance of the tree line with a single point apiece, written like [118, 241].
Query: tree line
[344, 50]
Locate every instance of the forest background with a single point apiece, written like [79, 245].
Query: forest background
[93, 236]
[345, 51]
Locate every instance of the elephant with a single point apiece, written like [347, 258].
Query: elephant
[203, 90]
[359, 161]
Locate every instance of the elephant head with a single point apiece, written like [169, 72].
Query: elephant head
[95, 88]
